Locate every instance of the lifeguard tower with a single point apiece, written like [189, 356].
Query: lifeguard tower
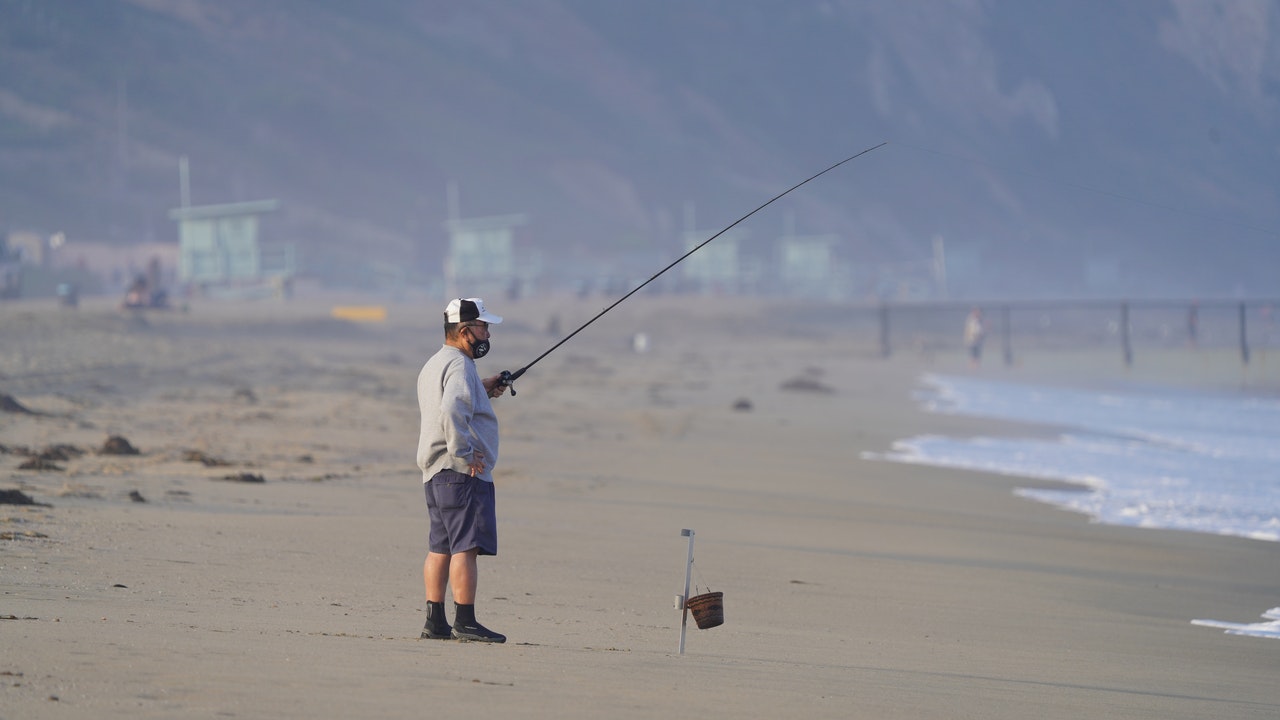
[482, 256]
[809, 267]
[220, 247]
[717, 268]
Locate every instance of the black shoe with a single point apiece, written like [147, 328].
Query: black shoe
[475, 632]
[432, 631]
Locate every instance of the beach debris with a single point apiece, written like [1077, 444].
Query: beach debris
[77, 490]
[201, 457]
[640, 343]
[10, 405]
[20, 535]
[118, 445]
[15, 497]
[120, 585]
[244, 477]
[40, 464]
[60, 452]
[743, 405]
[805, 384]
[136, 496]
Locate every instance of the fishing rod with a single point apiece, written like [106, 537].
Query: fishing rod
[507, 378]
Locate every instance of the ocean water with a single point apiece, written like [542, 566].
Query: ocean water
[1172, 459]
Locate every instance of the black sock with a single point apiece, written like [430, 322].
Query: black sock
[435, 614]
[464, 615]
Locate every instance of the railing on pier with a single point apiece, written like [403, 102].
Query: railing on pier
[1085, 323]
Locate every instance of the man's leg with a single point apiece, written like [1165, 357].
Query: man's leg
[435, 575]
[463, 577]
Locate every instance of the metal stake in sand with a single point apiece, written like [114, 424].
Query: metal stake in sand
[683, 599]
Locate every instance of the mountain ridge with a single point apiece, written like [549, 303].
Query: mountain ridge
[611, 126]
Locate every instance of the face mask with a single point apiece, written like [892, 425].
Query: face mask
[479, 348]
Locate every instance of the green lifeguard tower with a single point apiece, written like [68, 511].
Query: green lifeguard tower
[718, 268]
[809, 266]
[482, 256]
[219, 246]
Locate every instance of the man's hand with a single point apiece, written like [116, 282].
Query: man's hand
[493, 386]
[476, 463]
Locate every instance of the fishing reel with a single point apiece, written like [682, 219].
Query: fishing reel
[507, 379]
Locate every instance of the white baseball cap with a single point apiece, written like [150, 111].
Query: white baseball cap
[462, 310]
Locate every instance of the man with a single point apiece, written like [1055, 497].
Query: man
[457, 451]
[974, 333]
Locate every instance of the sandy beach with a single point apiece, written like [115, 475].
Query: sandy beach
[261, 555]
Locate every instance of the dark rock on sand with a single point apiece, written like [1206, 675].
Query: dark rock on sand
[200, 457]
[39, 463]
[245, 478]
[10, 405]
[15, 497]
[803, 384]
[118, 445]
[18, 535]
[55, 453]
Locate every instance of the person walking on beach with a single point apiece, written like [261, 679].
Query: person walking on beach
[457, 451]
[974, 333]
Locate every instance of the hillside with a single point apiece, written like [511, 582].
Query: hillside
[1039, 139]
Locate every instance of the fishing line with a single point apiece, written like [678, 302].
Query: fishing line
[1088, 188]
[507, 377]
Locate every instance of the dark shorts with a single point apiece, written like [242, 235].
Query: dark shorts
[463, 514]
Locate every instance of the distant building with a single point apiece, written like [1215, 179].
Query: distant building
[482, 257]
[810, 267]
[718, 267]
[29, 247]
[220, 245]
[116, 266]
[10, 271]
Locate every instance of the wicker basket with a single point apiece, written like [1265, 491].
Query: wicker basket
[707, 608]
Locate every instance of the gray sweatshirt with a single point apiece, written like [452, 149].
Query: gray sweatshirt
[457, 417]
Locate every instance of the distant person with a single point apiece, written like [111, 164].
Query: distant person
[457, 451]
[974, 333]
[1193, 324]
[138, 295]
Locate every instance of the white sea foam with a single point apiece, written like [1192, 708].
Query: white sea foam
[1167, 459]
[1171, 459]
[1270, 629]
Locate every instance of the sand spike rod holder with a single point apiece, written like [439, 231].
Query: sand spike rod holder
[688, 570]
[708, 608]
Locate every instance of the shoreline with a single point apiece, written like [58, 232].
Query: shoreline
[852, 588]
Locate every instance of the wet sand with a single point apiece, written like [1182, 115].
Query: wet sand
[853, 588]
